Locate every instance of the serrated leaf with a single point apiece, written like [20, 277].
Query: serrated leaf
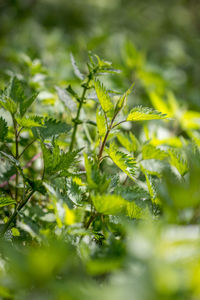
[3, 129]
[66, 99]
[140, 113]
[8, 104]
[50, 129]
[28, 122]
[15, 90]
[124, 161]
[131, 193]
[75, 68]
[57, 162]
[95, 180]
[151, 152]
[6, 200]
[129, 142]
[122, 100]
[24, 105]
[178, 161]
[109, 204]
[101, 122]
[103, 96]
[150, 185]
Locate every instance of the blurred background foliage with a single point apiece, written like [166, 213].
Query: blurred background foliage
[156, 45]
[148, 40]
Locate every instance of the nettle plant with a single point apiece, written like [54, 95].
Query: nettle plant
[78, 191]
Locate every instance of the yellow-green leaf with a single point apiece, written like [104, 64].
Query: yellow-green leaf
[140, 113]
[109, 204]
[101, 122]
[103, 96]
[124, 161]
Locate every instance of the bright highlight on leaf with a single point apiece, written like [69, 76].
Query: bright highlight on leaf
[101, 122]
[124, 161]
[140, 113]
[103, 96]
[178, 161]
[151, 152]
[109, 204]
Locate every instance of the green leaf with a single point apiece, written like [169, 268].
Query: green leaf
[159, 103]
[8, 104]
[95, 180]
[140, 113]
[151, 152]
[101, 122]
[37, 186]
[3, 129]
[15, 231]
[57, 162]
[124, 161]
[109, 204]
[129, 142]
[178, 161]
[66, 98]
[28, 122]
[122, 100]
[6, 200]
[75, 67]
[15, 90]
[152, 188]
[51, 128]
[24, 105]
[103, 96]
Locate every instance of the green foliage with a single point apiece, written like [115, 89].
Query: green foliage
[103, 96]
[109, 204]
[124, 161]
[3, 129]
[144, 114]
[5, 200]
[57, 162]
[49, 128]
[101, 122]
[118, 208]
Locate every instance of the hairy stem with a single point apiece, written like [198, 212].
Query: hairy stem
[78, 114]
[16, 156]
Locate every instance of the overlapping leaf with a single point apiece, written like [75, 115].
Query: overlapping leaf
[51, 128]
[124, 161]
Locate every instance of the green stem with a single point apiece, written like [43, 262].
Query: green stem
[110, 127]
[26, 148]
[103, 145]
[16, 156]
[15, 213]
[78, 114]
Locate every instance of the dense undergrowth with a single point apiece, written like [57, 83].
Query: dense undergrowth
[86, 197]
[99, 162]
